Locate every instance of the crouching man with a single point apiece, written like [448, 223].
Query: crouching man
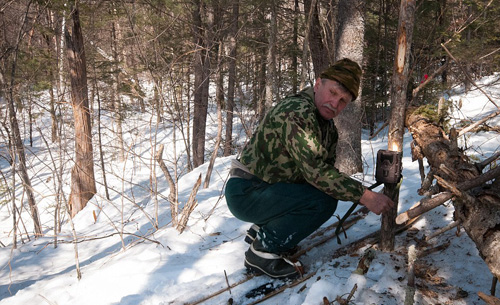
[285, 182]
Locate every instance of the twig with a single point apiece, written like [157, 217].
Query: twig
[379, 130]
[442, 230]
[189, 207]
[470, 127]
[174, 204]
[346, 301]
[227, 282]
[428, 251]
[485, 162]
[422, 85]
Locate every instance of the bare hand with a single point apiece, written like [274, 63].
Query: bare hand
[376, 202]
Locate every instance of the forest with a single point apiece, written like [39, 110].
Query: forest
[78, 78]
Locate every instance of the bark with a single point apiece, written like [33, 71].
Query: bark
[349, 38]
[201, 83]
[295, 42]
[478, 210]
[319, 52]
[18, 155]
[83, 185]
[228, 145]
[117, 103]
[398, 105]
[172, 197]
[271, 88]
[219, 96]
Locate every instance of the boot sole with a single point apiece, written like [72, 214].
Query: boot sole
[258, 271]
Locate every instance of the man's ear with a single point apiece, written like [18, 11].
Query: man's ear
[317, 83]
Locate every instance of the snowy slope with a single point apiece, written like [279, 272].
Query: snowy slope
[124, 260]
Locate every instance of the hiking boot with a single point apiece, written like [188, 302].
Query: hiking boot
[251, 234]
[259, 260]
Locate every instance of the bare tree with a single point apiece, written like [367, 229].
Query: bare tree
[83, 185]
[231, 78]
[201, 83]
[317, 45]
[18, 156]
[398, 106]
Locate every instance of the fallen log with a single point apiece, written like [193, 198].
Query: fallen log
[428, 204]
[478, 210]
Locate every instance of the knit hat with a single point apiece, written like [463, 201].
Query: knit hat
[346, 72]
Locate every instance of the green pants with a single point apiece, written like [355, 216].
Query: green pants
[286, 212]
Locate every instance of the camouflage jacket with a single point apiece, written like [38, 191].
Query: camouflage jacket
[294, 144]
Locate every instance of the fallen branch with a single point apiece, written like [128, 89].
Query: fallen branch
[189, 207]
[426, 205]
[365, 261]
[489, 299]
[423, 206]
[485, 162]
[428, 251]
[442, 230]
[174, 204]
[472, 126]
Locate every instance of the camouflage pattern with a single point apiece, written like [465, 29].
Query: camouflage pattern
[347, 72]
[294, 144]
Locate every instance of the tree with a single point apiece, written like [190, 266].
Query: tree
[18, 154]
[398, 106]
[233, 31]
[316, 43]
[349, 42]
[201, 83]
[83, 185]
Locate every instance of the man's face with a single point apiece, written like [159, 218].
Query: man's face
[330, 97]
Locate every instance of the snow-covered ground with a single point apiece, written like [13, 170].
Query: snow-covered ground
[124, 260]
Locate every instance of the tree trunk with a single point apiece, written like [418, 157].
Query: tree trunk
[271, 80]
[201, 83]
[349, 42]
[478, 210]
[319, 52]
[17, 142]
[116, 36]
[83, 185]
[228, 145]
[398, 106]
[295, 46]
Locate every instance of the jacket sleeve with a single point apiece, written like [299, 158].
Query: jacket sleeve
[304, 146]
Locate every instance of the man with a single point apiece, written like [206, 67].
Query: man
[285, 182]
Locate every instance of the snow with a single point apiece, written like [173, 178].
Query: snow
[125, 260]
